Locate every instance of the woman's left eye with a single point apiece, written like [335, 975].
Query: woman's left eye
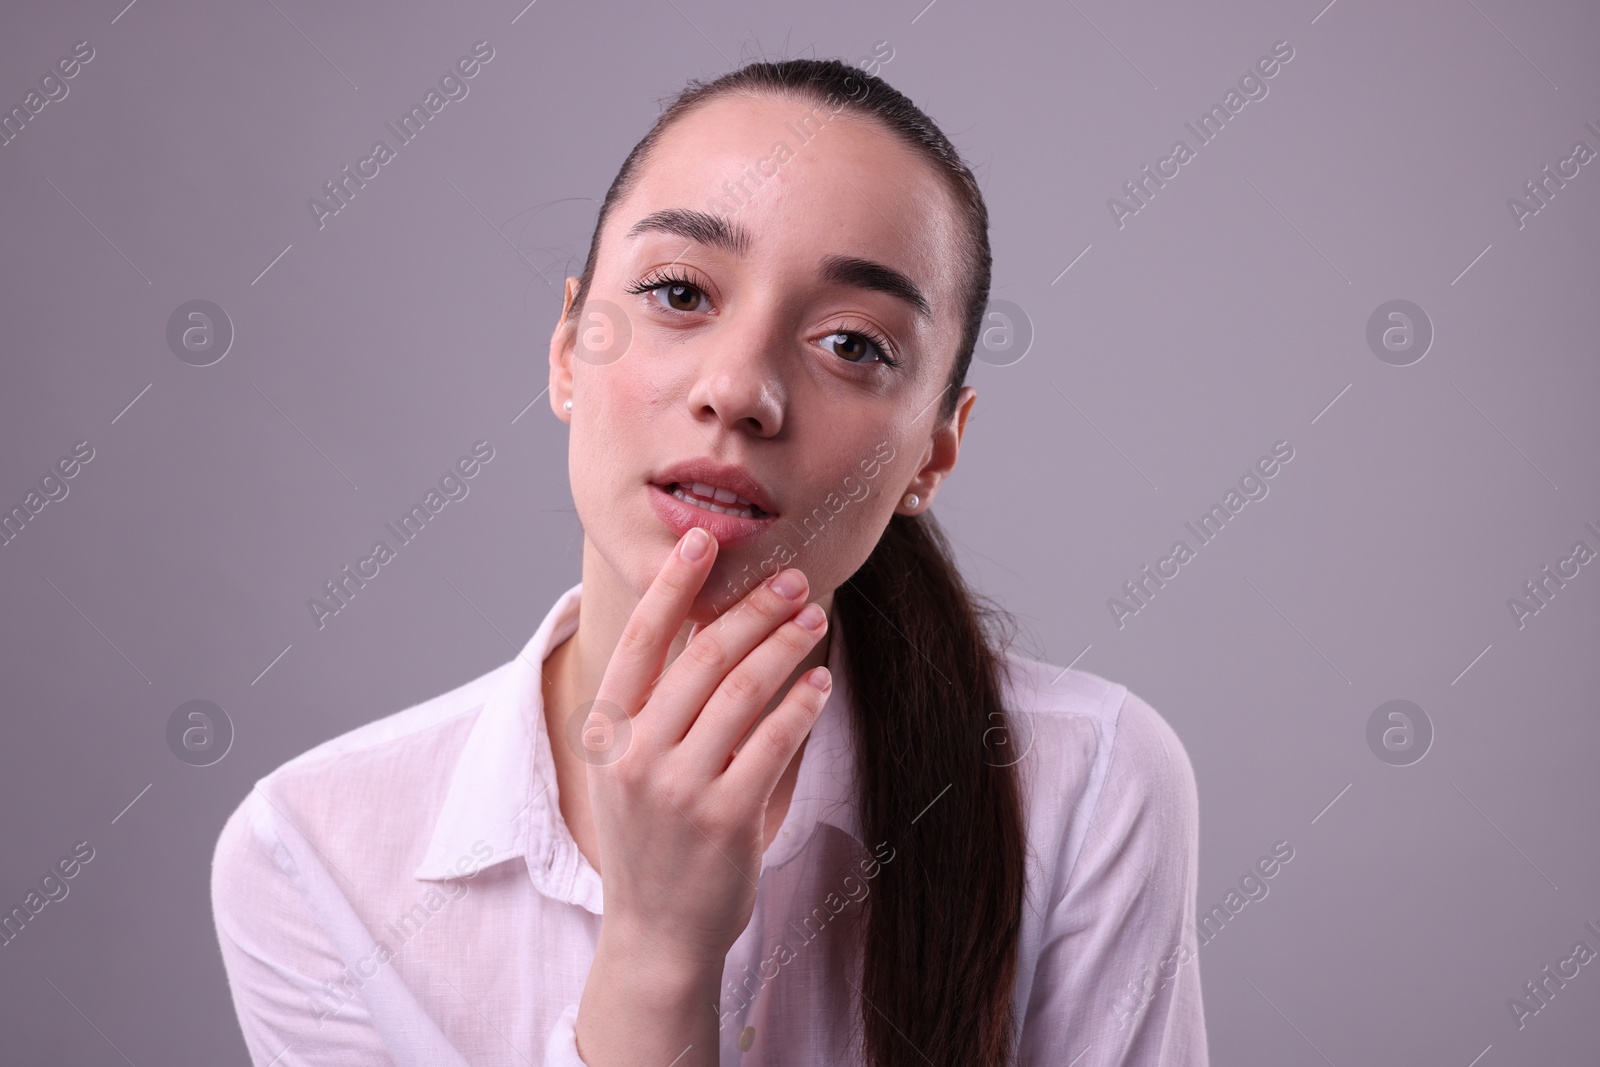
[859, 344]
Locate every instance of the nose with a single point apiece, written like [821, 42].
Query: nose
[737, 380]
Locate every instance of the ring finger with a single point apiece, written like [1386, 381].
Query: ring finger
[744, 694]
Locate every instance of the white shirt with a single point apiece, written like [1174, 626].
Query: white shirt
[409, 894]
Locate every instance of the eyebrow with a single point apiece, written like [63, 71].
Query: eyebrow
[717, 231]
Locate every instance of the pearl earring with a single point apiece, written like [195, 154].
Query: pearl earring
[566, 405]
[912, 500]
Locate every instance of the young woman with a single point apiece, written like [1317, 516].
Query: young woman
[821, 818]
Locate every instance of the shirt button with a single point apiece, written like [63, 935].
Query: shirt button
[747, 1038]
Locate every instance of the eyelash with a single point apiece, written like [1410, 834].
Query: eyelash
[660, 280]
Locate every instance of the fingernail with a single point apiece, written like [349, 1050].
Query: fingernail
[821, 678]
[694, 545]
[811, 617]
[788, 584]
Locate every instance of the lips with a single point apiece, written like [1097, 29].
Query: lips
[724, 500]
[721, 485]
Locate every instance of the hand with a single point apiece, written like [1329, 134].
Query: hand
[680, 817]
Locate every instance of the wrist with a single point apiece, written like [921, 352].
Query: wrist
[669, 1006]
[663, 976]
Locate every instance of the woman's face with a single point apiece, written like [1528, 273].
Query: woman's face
[795, 270]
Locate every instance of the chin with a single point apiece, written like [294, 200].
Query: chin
[724, 587]
[704, 613]
[637, 561]
[638, 569]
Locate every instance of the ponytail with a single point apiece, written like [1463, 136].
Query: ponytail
[924, 678]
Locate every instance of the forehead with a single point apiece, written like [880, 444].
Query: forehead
[806, 182]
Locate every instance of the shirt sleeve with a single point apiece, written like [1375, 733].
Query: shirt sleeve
[283, 971]
[561, 1050]
[306, 984]
[1118, 979]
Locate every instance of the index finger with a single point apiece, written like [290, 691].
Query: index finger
[641, 651]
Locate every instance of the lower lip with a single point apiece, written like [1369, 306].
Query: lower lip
[729, 530]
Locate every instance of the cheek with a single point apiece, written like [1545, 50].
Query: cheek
[835, 531]
[627, 422]
[607, 467]
[620, 435]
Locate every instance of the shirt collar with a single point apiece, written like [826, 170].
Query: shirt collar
[492, 796]
[503, 792]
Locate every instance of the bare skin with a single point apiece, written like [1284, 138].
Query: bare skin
[750, 358]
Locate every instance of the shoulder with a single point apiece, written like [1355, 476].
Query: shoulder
[1116, 721]
[1060, 693]
[1098, 754]
[355, 794]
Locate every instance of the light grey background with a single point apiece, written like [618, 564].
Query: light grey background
[1229, 314]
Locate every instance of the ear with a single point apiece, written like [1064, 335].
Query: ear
[562, 342]
[946, 446]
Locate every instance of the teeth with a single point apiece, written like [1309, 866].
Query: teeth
[720, 495]
[723, 496]
[746, 512]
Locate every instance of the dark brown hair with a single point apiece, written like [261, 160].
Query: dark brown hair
[936, 777]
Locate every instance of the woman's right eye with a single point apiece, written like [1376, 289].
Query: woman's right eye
[680, 295]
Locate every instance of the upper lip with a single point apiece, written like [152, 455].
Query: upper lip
[735, 479]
